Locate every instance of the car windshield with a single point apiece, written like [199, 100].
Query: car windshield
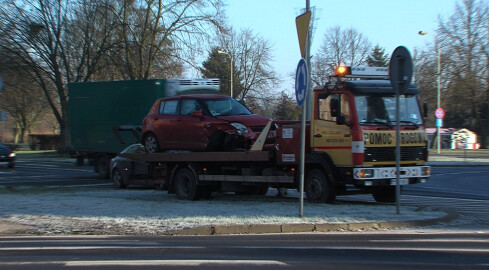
[225, 106]
[135, 148]
[378, 110]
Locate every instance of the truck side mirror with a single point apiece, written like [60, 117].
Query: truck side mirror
[425, 109]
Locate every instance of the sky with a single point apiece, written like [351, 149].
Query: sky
[387, 23]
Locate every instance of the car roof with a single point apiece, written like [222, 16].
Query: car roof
[196, 96]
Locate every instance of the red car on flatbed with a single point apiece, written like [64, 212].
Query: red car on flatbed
[200, 122]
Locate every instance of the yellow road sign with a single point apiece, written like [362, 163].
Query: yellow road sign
[302, 24]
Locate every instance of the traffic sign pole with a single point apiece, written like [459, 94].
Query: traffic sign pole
[400, 74]
[301, 87]
[439, 114]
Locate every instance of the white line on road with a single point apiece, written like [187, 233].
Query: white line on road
[151, 263]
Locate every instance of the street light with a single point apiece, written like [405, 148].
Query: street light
[438, 101]
[231, 57]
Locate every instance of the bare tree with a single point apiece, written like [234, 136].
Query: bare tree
[64, 41]
[347, 47]
[58, 41]
[23, 100]
[463, 43]
[158, 37]
[252, 57]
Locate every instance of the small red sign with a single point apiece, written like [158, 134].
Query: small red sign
[440, 113]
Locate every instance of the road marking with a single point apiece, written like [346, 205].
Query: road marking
[44, 248]
[152, 263]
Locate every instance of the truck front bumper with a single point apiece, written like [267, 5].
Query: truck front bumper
[383, 176]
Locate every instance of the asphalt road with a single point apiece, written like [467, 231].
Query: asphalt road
[48, 172]
[399, 250]
[449, 246]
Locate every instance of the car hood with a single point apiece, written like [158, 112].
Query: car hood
[248, 120]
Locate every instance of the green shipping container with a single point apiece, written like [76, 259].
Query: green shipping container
[98, 109]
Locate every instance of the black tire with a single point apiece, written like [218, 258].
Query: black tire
[385, 194]
[102, 166]
[151, 143]
[318, 188]
[186, 185]
[11, 165]
[118, 179]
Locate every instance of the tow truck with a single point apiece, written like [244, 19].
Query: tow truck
[350, 147]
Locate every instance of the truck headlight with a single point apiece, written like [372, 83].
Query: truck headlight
[242, 129]
[11, 154]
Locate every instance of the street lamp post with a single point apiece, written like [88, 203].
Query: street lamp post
[231, 80]
[438, 99]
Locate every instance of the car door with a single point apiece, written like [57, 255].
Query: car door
[164, 124]
[190, 126]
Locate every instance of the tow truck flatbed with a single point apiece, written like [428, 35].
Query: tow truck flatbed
[251, 156]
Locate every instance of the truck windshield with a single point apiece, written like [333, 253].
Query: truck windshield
[381, 110]
[225, 106]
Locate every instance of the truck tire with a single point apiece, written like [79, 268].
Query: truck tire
[318, 188]
[151, 143]
[118, 179]
[385, 194]
[186, 185]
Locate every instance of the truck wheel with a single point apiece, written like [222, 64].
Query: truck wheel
[318, 188]
[117, 179]
[186, 185]
[151, 143]
[385, 194]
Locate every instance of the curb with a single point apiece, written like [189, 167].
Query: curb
[306, 228]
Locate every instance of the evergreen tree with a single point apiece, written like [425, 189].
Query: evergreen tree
[218, 66]
[378, 58]
[286, 109]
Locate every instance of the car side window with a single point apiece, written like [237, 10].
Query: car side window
[169, 107]
[188, 106]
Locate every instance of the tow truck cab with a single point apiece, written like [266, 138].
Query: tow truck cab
[354, 123]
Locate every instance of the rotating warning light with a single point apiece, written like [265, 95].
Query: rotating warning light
[342, 71]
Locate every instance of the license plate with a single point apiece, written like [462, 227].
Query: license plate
[401, 182]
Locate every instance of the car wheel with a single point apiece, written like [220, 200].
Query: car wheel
[117, 179]
[11, 164]
[151, 143]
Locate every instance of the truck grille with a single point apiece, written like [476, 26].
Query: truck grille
[379, 154]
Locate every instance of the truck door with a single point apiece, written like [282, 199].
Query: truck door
[330, 128]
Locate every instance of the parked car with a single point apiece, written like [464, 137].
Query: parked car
[7, 155]
[124, 172]
[200, 122]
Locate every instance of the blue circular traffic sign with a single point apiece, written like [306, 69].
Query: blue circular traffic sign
[301, 77]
